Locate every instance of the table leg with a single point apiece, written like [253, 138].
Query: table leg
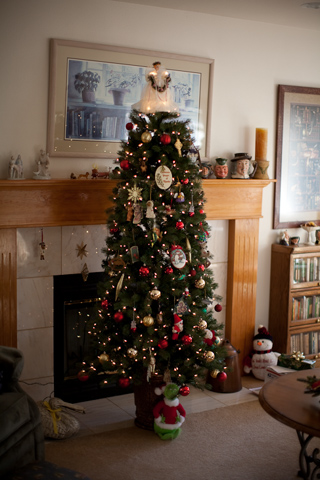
[305, 460]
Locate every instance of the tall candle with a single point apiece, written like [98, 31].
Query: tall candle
[261, 143]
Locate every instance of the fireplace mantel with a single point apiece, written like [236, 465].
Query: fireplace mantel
[47, 203]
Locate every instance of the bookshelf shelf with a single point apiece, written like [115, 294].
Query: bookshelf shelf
[294, 314]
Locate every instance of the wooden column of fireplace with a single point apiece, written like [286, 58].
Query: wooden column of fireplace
[36, 203]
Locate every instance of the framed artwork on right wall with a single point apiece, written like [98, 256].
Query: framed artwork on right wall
[297, 192]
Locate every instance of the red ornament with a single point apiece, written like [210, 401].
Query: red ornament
[118, 317]
[105, 304]
[129, 126]
[218, 307]
[114, 230]
[125, 164]
[201, 267]
[179, 225]
[185, 181]
[209, 337]
[184, 391]
[201, 211]
[169, 270]
[163, 343]
[165, 139]
[144, 271]
[191, 214]
[222, 376]
[83, 376]
[186, 339]
[124, 382]
[193, 273]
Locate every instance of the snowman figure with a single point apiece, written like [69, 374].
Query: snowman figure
[262, 355]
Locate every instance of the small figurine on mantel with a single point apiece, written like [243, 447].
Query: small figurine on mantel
[221, 168]
[285, 238]
[243, 167]
[43, 170]
[15, 170]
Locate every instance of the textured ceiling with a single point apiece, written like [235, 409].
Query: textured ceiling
[279, 12]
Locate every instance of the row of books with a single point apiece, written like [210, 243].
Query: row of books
[307, 342]
[92, 124]
[306, 269]
[305, 307]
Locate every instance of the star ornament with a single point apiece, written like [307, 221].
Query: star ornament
[134, 193]
[82, 252]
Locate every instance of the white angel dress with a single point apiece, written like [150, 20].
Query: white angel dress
[156, 95]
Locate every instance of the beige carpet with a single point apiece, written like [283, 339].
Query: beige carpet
[239, 442]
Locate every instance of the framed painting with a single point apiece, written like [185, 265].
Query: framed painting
[297, 192]
[92, 89]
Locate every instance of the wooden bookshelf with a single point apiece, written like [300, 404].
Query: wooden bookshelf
[294, 314]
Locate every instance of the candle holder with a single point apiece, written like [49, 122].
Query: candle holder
[261, 171]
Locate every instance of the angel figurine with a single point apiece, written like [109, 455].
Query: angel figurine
[156, 95]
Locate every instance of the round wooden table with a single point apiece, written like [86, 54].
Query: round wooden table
[284, 399]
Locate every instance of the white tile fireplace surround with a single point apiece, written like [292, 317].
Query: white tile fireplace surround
[35, 287]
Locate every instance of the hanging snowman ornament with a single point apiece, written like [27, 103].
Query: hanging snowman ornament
[262, 355]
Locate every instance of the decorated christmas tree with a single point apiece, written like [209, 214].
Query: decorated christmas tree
[157, 315]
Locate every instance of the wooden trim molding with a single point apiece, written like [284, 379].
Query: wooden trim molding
[44, 203]
[47, 203]
[8, 287]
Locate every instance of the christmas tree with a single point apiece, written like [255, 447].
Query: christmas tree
[157, 315]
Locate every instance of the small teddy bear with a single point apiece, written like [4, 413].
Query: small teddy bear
[262, 355]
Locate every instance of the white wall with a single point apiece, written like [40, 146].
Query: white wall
[251, 59]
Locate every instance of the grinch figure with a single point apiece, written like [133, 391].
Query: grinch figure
[168, 414]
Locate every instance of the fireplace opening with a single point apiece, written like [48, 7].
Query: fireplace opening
[75, 304]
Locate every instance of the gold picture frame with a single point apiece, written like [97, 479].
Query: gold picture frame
[63, 117]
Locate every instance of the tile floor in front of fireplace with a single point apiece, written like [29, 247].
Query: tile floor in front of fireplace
[118, 412]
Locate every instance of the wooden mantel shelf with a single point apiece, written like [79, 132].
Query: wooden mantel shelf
[47, 203]
[32, 203]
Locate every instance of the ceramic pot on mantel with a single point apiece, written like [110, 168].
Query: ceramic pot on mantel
[261, 172]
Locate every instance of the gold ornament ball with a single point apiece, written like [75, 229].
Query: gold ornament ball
[146, 137]
[132, 352]
[210, 356]
[217, 341]
[148, 321]
[103, 358]
[159, 318]
[155, 294]
[203, 324]
[200, 283]
[214, 373]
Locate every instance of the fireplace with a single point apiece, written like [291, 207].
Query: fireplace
[66, 209]
[75, 304]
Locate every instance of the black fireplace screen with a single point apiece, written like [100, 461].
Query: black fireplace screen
[75, 305]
